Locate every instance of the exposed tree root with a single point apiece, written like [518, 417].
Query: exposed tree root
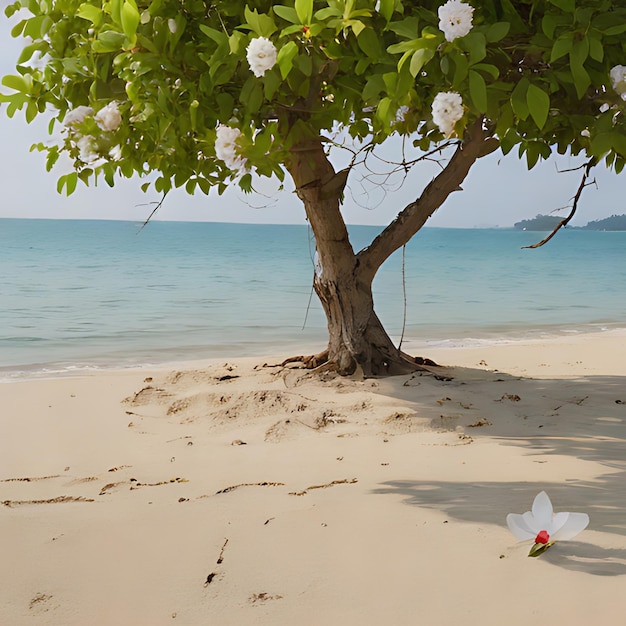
[400, 363]
[309, 362]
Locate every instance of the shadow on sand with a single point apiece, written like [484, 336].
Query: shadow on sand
[583, 418]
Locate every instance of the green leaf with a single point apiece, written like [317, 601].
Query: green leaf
[561, 47]
[579, 52]
[596, 51]
[618, 29]
[109, 41]
[519, 100]
[368, 42]
[474, 43]
[304, 11]
[601, 143]
[565, 5]
[478, 91]
[407, 28]
[461, 66]
[218, 36]
[419, 59]
[130, 18]
[497, 31]
[538, 104]
[487, 68]
[386, 8]
[31, 111]
[285, 56]
[577, 57]
[90, 13]
[263, 25]
[69, 182]
[383, 111]
[23, 84]
[252, 95]
[286, 13]
[539, 548]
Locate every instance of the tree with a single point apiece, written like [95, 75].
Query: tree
[209, 94]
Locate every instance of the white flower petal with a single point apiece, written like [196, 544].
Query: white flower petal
[575, 523]
[109, 117]
[518, 526]
[77, 115]
[542, 510]
[558, 521]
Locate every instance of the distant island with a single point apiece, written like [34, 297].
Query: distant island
[550, 222]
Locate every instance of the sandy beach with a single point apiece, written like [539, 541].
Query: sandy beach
[243, 492]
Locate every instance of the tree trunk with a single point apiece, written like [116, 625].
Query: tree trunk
[343, 279]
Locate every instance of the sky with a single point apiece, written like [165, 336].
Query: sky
[498, 192]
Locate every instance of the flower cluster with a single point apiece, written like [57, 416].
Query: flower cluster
[261, 55]
[77, 116]
[109, 117]
[447, 110]
[455, 19]
[544, 526]
[618, 80]
[226, 148]
[89, 146]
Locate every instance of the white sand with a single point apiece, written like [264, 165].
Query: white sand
[377, 502]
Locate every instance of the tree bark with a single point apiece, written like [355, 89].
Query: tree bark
[343, 279]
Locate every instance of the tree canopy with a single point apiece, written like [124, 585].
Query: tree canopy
[544, 75]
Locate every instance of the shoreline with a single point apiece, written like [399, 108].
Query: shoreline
[250, 495]
[429, 348]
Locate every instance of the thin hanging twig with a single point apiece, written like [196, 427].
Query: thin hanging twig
[159, 204]
[403, 296]
[583, 183]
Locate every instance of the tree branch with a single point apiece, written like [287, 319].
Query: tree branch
[415, 214]
[565, 221]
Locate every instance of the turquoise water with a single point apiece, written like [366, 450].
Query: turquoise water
[81, 294]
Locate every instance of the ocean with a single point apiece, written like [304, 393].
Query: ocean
[87, 294]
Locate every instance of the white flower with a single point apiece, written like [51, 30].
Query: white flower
[171, 24]
[618, 79]
[261, 55]
[88, 149]
[109, 117]
[585, 133]
[77, 115]
[455, 19]
[545, 526]
[447, 111]
[604, 108]
[116, 152]
[401, 113]
[226, 147]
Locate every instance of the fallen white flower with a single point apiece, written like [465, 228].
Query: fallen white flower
[447, 110]
[261, 55]
[455, 19]
[226, 147]
[77, 115]
[109, 117]
[545, 526]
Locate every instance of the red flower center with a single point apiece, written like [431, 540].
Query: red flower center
[542, 537]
